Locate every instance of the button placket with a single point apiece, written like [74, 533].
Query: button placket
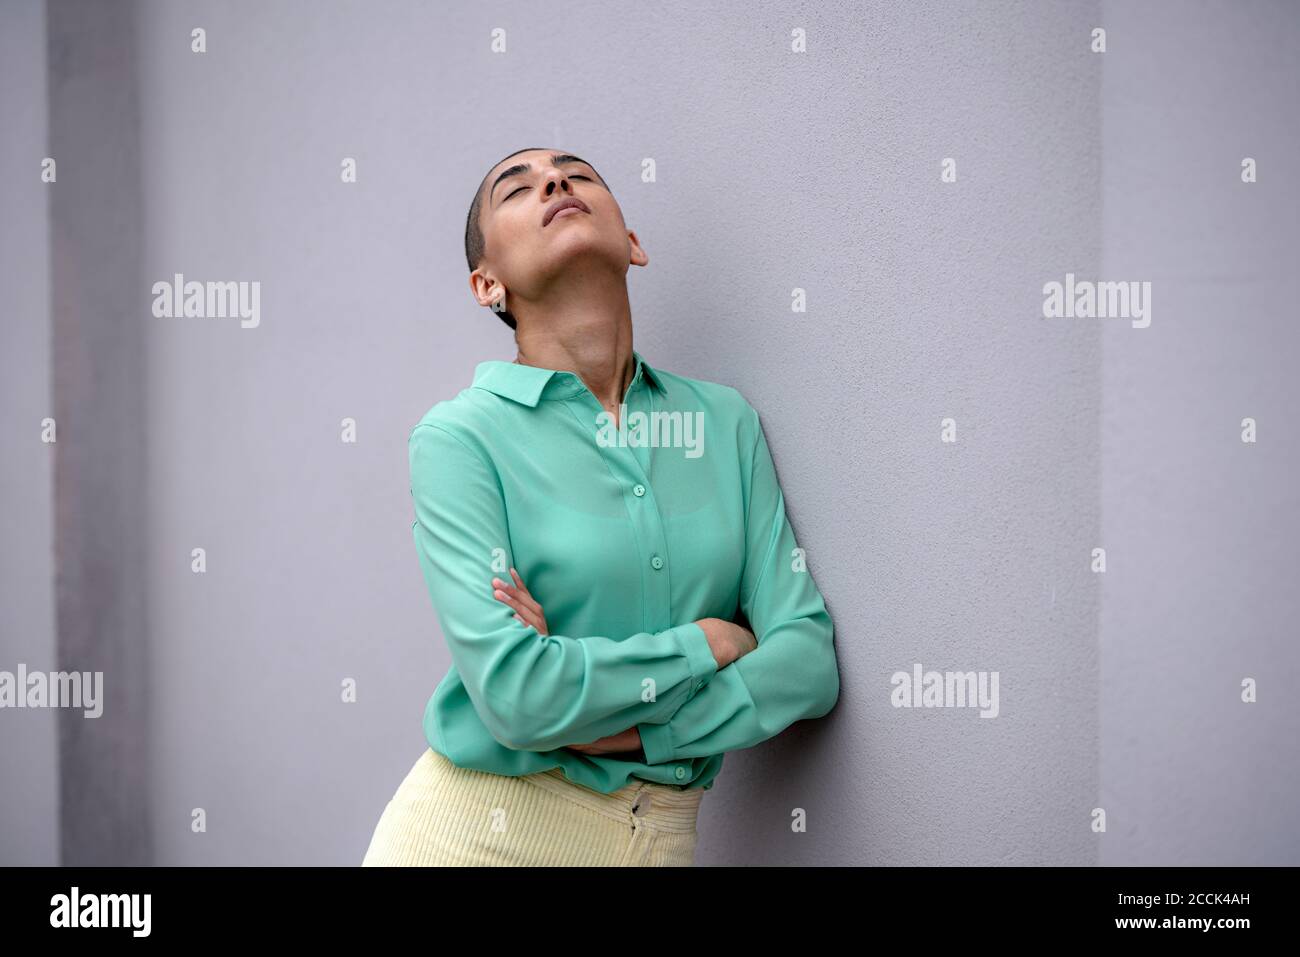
[626, 466]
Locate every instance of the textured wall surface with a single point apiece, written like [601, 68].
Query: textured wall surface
[102, 515]
[29, 754]
[1201, 528]
[775, 171]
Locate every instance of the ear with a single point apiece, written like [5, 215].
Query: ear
[639, 256]
[487, 290]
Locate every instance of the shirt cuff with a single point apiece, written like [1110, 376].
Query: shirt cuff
[694, 644]
[656, 742]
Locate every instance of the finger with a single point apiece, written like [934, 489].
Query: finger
[520, 596]
[529, 609]
[524, 594]
[505, 599]
[528, 618]
[502, 586]
[527, 622]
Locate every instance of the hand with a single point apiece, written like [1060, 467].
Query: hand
[527, 611]
[629, 740]
[727, 640]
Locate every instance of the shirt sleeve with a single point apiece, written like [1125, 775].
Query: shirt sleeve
[792, 674]
[533, 692]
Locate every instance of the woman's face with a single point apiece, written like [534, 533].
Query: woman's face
[523, 249]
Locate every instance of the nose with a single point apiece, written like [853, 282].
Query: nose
[556, 181]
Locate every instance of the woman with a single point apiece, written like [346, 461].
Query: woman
[641, 510]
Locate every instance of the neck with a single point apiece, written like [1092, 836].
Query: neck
[587, 335]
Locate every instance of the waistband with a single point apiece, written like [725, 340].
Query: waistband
[648, 802]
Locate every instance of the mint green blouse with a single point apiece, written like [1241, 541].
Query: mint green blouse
[625, 536]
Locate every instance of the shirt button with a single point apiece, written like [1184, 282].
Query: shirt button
[638, 490]
[680, 772]
[656, 562]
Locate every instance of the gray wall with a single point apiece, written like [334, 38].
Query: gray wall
[776, 171]
[102, 516]
[922, 297]
[29, 773]
[1201, 529]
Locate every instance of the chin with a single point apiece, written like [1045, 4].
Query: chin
[563, 251]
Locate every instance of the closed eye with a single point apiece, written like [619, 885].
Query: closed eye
[522, 188]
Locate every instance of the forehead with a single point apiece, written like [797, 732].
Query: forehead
[533, 158]
[530, 157]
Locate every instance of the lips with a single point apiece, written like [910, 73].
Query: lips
[570, 203]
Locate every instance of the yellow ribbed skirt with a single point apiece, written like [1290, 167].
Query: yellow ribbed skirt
[448, 816]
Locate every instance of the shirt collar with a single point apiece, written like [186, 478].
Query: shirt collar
[524, 384]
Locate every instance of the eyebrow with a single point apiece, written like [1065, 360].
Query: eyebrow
[557, 159]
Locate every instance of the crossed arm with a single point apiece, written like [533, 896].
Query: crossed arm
[779, 670]
[727, 640]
